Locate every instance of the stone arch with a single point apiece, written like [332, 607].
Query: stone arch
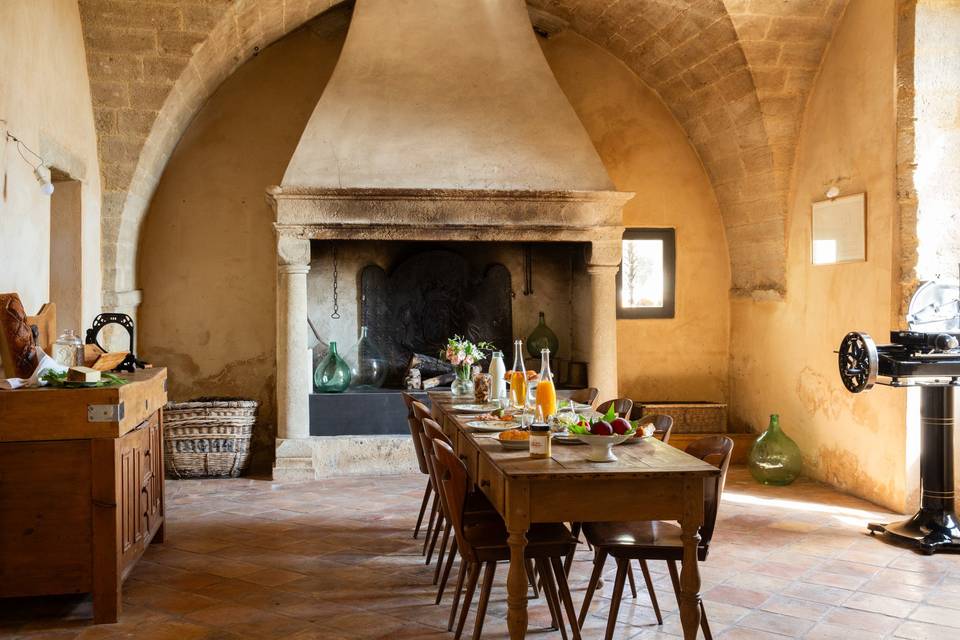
[734, 75]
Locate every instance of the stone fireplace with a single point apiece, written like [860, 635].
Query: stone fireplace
[483, 154]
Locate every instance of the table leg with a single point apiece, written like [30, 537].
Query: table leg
[517, 584]
[690, 579]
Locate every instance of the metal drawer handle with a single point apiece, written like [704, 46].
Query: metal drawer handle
[484, 483]
[462, 457]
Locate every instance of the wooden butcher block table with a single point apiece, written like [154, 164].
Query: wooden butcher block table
[81, 487]
[649, 481]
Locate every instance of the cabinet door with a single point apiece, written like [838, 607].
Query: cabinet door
[153, 474]
[131, 458]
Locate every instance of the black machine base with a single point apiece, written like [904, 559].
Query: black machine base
[927, 531]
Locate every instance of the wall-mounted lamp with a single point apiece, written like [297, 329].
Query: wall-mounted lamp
[46, 186]
[833, 192]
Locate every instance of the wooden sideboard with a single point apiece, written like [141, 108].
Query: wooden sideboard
[81, 487]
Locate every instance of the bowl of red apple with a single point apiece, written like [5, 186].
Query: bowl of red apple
[602, 435]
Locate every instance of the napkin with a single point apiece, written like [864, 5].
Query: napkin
[46, 364]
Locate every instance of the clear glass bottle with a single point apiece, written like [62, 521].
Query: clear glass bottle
[368, 369]
[518, 378]
[332, 374]
[546, 391]
[68, 349]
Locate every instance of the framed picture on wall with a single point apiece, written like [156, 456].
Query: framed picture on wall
[838, 230]
[647, 278]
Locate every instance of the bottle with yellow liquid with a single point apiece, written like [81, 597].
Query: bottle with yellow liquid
[546, 391]
[518, 378]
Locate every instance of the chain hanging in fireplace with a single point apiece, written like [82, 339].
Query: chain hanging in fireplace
[336, 280]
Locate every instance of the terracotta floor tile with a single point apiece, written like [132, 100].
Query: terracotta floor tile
[336, 560]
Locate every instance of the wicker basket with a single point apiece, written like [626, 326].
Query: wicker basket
[208, 437]
[691, 417]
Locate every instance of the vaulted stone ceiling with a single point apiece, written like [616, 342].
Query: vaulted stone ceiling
[735, 73]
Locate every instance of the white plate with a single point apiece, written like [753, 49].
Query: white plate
[514, 445]
[476, 408]
[565, 438]
[492, 425]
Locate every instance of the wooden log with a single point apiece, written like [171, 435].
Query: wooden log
[429, 367]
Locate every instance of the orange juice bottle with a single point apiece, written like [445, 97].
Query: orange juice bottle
[546, 392]
[518, 379]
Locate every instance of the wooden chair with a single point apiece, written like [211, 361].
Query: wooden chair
[622, 407]
[583, 396]
[654, 540]
[663, 424]
[415, 430]
[420, 413]
[484, 544]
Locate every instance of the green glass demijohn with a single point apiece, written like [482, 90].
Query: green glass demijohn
[775, 458]
[542, 338]
[332, 375]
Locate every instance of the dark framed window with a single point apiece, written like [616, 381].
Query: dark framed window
[646, 282]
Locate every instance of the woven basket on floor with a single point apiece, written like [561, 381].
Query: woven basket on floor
[208, 438]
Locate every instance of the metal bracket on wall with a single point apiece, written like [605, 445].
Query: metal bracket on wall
[105, 412]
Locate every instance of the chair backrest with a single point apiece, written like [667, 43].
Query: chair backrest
[717, 450]
[662, 423]
[414, 423]
[454, 482]
[584, 396]
[622, 406]
[416, 428]
[431, 432]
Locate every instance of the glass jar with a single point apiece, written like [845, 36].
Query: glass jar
[483, 388]
[332, 374]
[68, 349]
[775, 458]
[540, 440]
[368, 368]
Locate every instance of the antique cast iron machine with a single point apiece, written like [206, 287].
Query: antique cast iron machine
[928, 357]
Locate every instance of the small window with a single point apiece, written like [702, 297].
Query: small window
[645, 282]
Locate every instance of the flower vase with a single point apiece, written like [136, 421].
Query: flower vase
[775, 458]
[332, 375]
[462, 387]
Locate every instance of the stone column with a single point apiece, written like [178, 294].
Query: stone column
[293, 383]
[602, 263]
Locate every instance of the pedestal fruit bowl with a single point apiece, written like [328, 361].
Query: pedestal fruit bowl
[601, 447]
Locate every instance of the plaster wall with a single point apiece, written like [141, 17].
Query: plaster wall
[646, 151]
[45, 101]
[782, 353]
[207, 261]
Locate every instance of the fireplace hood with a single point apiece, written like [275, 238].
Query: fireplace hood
[444, 94]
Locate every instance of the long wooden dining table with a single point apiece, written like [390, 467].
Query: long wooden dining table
[649, 481]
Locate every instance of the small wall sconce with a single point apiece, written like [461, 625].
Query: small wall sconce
[40, 170]
[833, 192]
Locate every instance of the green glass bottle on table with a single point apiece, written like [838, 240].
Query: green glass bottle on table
[775, 458]
[332, 375]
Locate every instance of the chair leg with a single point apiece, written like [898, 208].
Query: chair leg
[532, 578]
[704, 624]
[561, 576]
[551, 596]
[468, 598]
[488, 574]
[575, 528]
[434, 511]
[622, 566]
[456, 595]
[423, 508]
[436, 534]
[633, 584]
[441, 553]
[446, 570]
[599, 559]
[675, 579]
[653, 594]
